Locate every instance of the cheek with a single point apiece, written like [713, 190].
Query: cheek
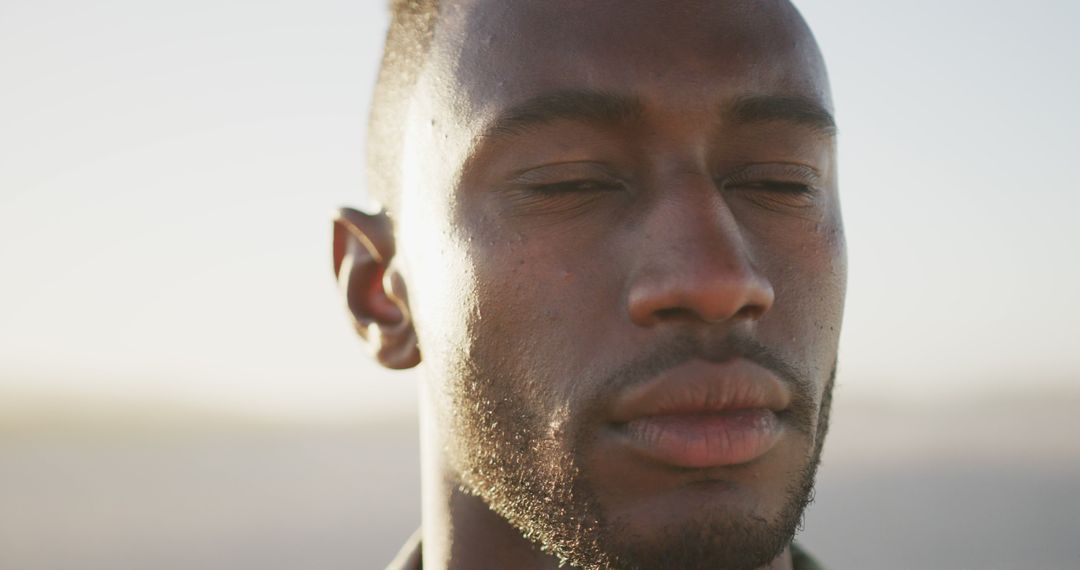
[520, 306]
[538, 282]
[442, 288]
[541, 313]
[810, 282]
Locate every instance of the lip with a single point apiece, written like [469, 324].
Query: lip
[701, 414]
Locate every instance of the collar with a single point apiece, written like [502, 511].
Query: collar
[409, 558]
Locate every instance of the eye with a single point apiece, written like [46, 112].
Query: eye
[561, 193]
[568, 198]
[774, 187]
[778, 186]
[575, 186]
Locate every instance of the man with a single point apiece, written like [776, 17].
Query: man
[610, 237]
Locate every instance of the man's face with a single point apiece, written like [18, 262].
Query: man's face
[623, 248]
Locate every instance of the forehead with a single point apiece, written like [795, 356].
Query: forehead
[501, 52]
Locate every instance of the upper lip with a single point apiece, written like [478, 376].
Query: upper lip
[700, 387]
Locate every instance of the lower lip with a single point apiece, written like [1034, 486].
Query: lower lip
[708, 439]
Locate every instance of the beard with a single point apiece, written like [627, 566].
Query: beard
[529, 467]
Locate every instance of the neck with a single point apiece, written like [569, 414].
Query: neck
[459, 530]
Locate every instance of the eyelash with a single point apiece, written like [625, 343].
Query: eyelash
[584, 186]
[793, 180]
[571, 186]
[777, 186]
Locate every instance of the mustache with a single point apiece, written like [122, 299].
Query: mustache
[677, 350]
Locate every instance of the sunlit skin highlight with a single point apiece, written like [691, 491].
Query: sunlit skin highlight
[618, 260]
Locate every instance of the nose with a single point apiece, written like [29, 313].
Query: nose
[694, 264]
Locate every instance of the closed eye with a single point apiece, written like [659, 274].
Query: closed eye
[583, 186]
[775, 186]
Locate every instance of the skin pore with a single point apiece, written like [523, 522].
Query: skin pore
[596, 198]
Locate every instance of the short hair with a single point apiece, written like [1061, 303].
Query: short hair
[408, 41]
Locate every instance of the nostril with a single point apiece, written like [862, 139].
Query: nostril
[750, 312]
[672, 313]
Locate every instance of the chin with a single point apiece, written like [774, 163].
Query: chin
[732, 518]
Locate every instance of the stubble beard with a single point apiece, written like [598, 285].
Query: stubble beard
[530, 473]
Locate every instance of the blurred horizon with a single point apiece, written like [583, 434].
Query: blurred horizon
[28, 409]
[986, 486]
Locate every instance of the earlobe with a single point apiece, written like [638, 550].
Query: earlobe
[373, 289]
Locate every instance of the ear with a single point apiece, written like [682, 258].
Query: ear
[374, 291]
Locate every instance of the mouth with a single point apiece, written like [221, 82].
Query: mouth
[701, 414]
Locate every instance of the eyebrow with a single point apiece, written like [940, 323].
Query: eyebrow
[791, 109]
[606, 108]
[598, 107]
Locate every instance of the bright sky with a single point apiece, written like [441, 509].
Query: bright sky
[167, 172]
